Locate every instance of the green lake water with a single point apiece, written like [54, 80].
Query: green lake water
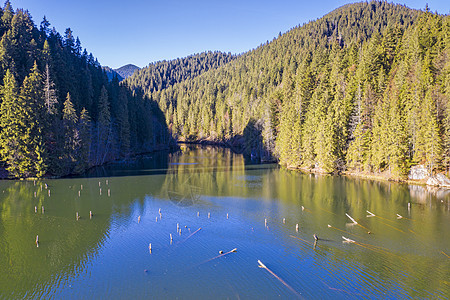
[220, 203]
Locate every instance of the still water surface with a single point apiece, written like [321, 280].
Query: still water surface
[107, 256]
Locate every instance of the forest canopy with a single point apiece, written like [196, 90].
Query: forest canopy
[59, 114]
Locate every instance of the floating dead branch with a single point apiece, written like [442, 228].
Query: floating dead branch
[220, 255]
[353, 220]
[347, 240]
[191, 235]
[370, 214]
[263, 266]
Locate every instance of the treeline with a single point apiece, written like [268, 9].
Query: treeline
[59, 114]
[365, 88]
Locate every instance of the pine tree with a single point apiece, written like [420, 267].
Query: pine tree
[33, 106]
[71, 136]
[83, 154]
[50, 98]
[104, 131]
[12, 149]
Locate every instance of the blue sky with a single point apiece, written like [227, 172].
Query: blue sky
[141, 32]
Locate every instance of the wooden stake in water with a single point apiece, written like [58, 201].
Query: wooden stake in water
[150, 247]
[100, 191]
[296, 227]
[198, 214]
[99, 183]
[79, 193]
[109, 193]
[265, 222]
[261, 265]
[107, 182]
[139, 219]
[227, 216]
[90, 214]
[209, 215]
[81, 187]
[42, 209]
[37, 241]
[171, 239]
[77, 216]
[49, 193]
[35, 209]
[284, 220]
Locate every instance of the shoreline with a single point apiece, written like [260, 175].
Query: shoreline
[369, 176]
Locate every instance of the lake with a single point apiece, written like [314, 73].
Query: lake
[191, 204]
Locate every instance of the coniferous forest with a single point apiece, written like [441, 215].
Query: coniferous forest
[59, 113]
[365, 88]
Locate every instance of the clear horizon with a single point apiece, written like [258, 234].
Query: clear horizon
[141, 33]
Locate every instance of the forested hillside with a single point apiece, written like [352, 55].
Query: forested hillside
[162, 74]
[59, 114]
[365, 88]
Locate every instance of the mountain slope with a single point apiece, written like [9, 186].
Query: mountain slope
[59, 114]
[341, 92]
[127, 70]
[162, 74]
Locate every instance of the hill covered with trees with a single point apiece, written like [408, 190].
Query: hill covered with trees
[163, 74]
[126, 71]
[59, 114]
[364, 88]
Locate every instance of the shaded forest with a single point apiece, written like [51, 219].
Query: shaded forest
[366, 88]
[59, 114]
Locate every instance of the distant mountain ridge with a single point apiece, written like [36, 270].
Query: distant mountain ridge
[126, 71]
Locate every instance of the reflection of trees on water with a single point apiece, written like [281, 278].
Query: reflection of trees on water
[206, 171]
[64, 242]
